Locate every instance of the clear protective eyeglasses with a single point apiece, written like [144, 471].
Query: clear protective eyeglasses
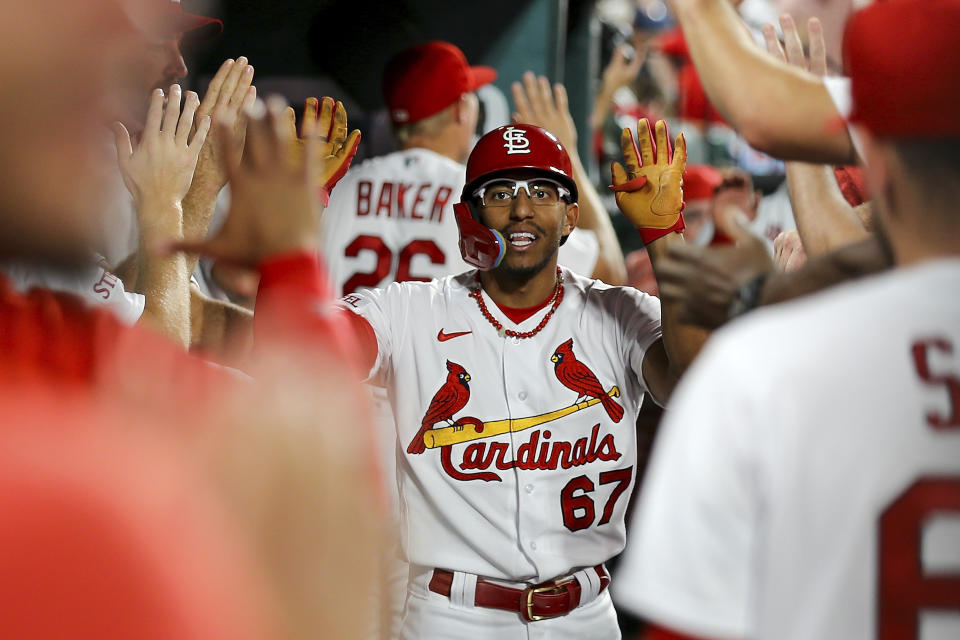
[501, 192]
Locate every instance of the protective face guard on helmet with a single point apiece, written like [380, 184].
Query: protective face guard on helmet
[480, 246]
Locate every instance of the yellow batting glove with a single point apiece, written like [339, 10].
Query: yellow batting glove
[332, 149]
[649, 191]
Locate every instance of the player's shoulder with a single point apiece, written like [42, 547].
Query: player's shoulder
[431, 159]
[593, 291]
[412, 160]
[421, 294]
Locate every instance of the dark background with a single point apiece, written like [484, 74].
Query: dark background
[340, 48]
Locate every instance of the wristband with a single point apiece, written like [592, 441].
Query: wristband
[649, 235]
[747, 296]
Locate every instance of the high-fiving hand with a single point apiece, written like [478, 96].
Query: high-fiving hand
[161, 168]
[228, 96]
[649, 190]
[540, 104]
[273, 208]
[325, 122]
[791, 50]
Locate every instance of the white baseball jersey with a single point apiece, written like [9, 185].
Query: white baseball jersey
[391, 219]
[530, 483]
[97, 286]
[831, 512]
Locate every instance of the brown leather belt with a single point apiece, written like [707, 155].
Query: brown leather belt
[537, 602]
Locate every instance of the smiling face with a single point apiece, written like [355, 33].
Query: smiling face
[532, 224]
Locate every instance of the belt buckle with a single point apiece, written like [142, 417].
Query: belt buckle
[530, 591]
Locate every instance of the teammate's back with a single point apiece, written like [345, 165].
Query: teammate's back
[391, 219]
[853, 475]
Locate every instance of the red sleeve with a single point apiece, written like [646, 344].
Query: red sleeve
[295, 303]
[851, 182]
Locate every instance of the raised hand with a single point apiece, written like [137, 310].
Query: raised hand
[622, 69]
[159, 172]
[229, 94]
[704, 282]
[649, 190]
[273, 207]
[788, 251]
[540, 104]
[325, 122]
[791, 50]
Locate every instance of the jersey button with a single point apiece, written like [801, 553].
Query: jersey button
[522, 395]
[533, 545]
[528, 488]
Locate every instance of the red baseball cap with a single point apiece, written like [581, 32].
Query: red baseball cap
[700, 181]
[167, 18]
[428, 78]
[903, 61]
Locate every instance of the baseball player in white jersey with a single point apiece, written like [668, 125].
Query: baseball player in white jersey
[391, 218]
[516, 388]
[832, 512]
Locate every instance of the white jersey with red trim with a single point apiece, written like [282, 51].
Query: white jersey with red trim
[832, 511]
[92, 282]
[391, 219]
[527, 456]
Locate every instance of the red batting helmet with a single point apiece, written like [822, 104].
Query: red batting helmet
[518, 146]
[500, 152]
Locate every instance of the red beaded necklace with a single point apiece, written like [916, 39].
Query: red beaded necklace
[554, 303]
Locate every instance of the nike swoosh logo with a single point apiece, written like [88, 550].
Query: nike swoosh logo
[443, 337]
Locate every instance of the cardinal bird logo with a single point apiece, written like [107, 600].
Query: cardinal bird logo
[449, 399]
[577, 376]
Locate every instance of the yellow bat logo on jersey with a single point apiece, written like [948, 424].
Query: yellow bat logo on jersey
[468, 428]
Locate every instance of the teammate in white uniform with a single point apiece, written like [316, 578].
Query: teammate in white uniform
[391, 217]
[833, 511]
[515, 390]
[93, 282]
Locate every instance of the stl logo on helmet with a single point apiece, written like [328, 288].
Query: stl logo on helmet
[515, 141]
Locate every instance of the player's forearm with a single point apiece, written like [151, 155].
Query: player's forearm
[219, 327]
[198, 208]
[779, 109]
[852, 261]
[601, 107]
[163, 280]
[825, 221]
[682, 341]
[610, 266]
